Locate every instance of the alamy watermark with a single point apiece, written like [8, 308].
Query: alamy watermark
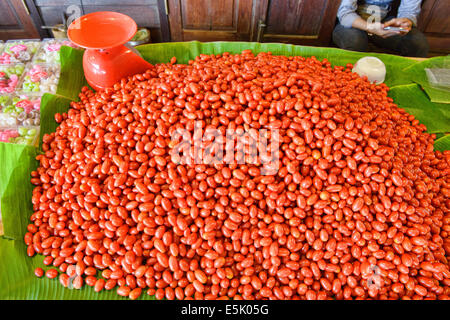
[213, 146]
[375, 278]
[73, 12]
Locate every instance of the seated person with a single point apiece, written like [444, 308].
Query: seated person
[361, 20]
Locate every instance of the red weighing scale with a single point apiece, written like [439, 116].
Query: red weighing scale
[106, 59]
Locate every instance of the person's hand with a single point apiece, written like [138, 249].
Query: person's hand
[403, 23]
[377, 28]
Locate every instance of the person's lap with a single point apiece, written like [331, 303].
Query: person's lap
[350, 38]
[412, 44]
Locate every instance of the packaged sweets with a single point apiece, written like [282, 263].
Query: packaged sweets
[40, 78]
[20, 110]
[10, 76]
[49, 50]
[19, 51]
[20, 135]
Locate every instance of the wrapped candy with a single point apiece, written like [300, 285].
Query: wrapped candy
[4, 100]
[41, 78]
[6, 135]
[21, 110]
[19, 51]
[21, 135]
[10, 76]
[49, 50]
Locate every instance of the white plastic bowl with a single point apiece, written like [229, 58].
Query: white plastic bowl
[372, 67]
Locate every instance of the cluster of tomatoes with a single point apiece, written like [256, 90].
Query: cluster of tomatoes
[357, 208]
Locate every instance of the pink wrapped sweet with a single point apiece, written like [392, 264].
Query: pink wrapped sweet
[36, 73]
[26, 105]
[17, 48]
[8, 134]
[8, 85]
[54, 47]
[5, 58]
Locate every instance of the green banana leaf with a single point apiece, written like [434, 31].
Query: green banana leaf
[436, 116]
[51, 104]
[17, 280]
[16, 163]
[442, 143]
[74, 79]
[417, 73]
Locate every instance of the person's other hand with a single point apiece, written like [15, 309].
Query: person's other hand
[377, 28]
[403, 23]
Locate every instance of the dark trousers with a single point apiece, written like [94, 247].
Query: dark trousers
[413, 44]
